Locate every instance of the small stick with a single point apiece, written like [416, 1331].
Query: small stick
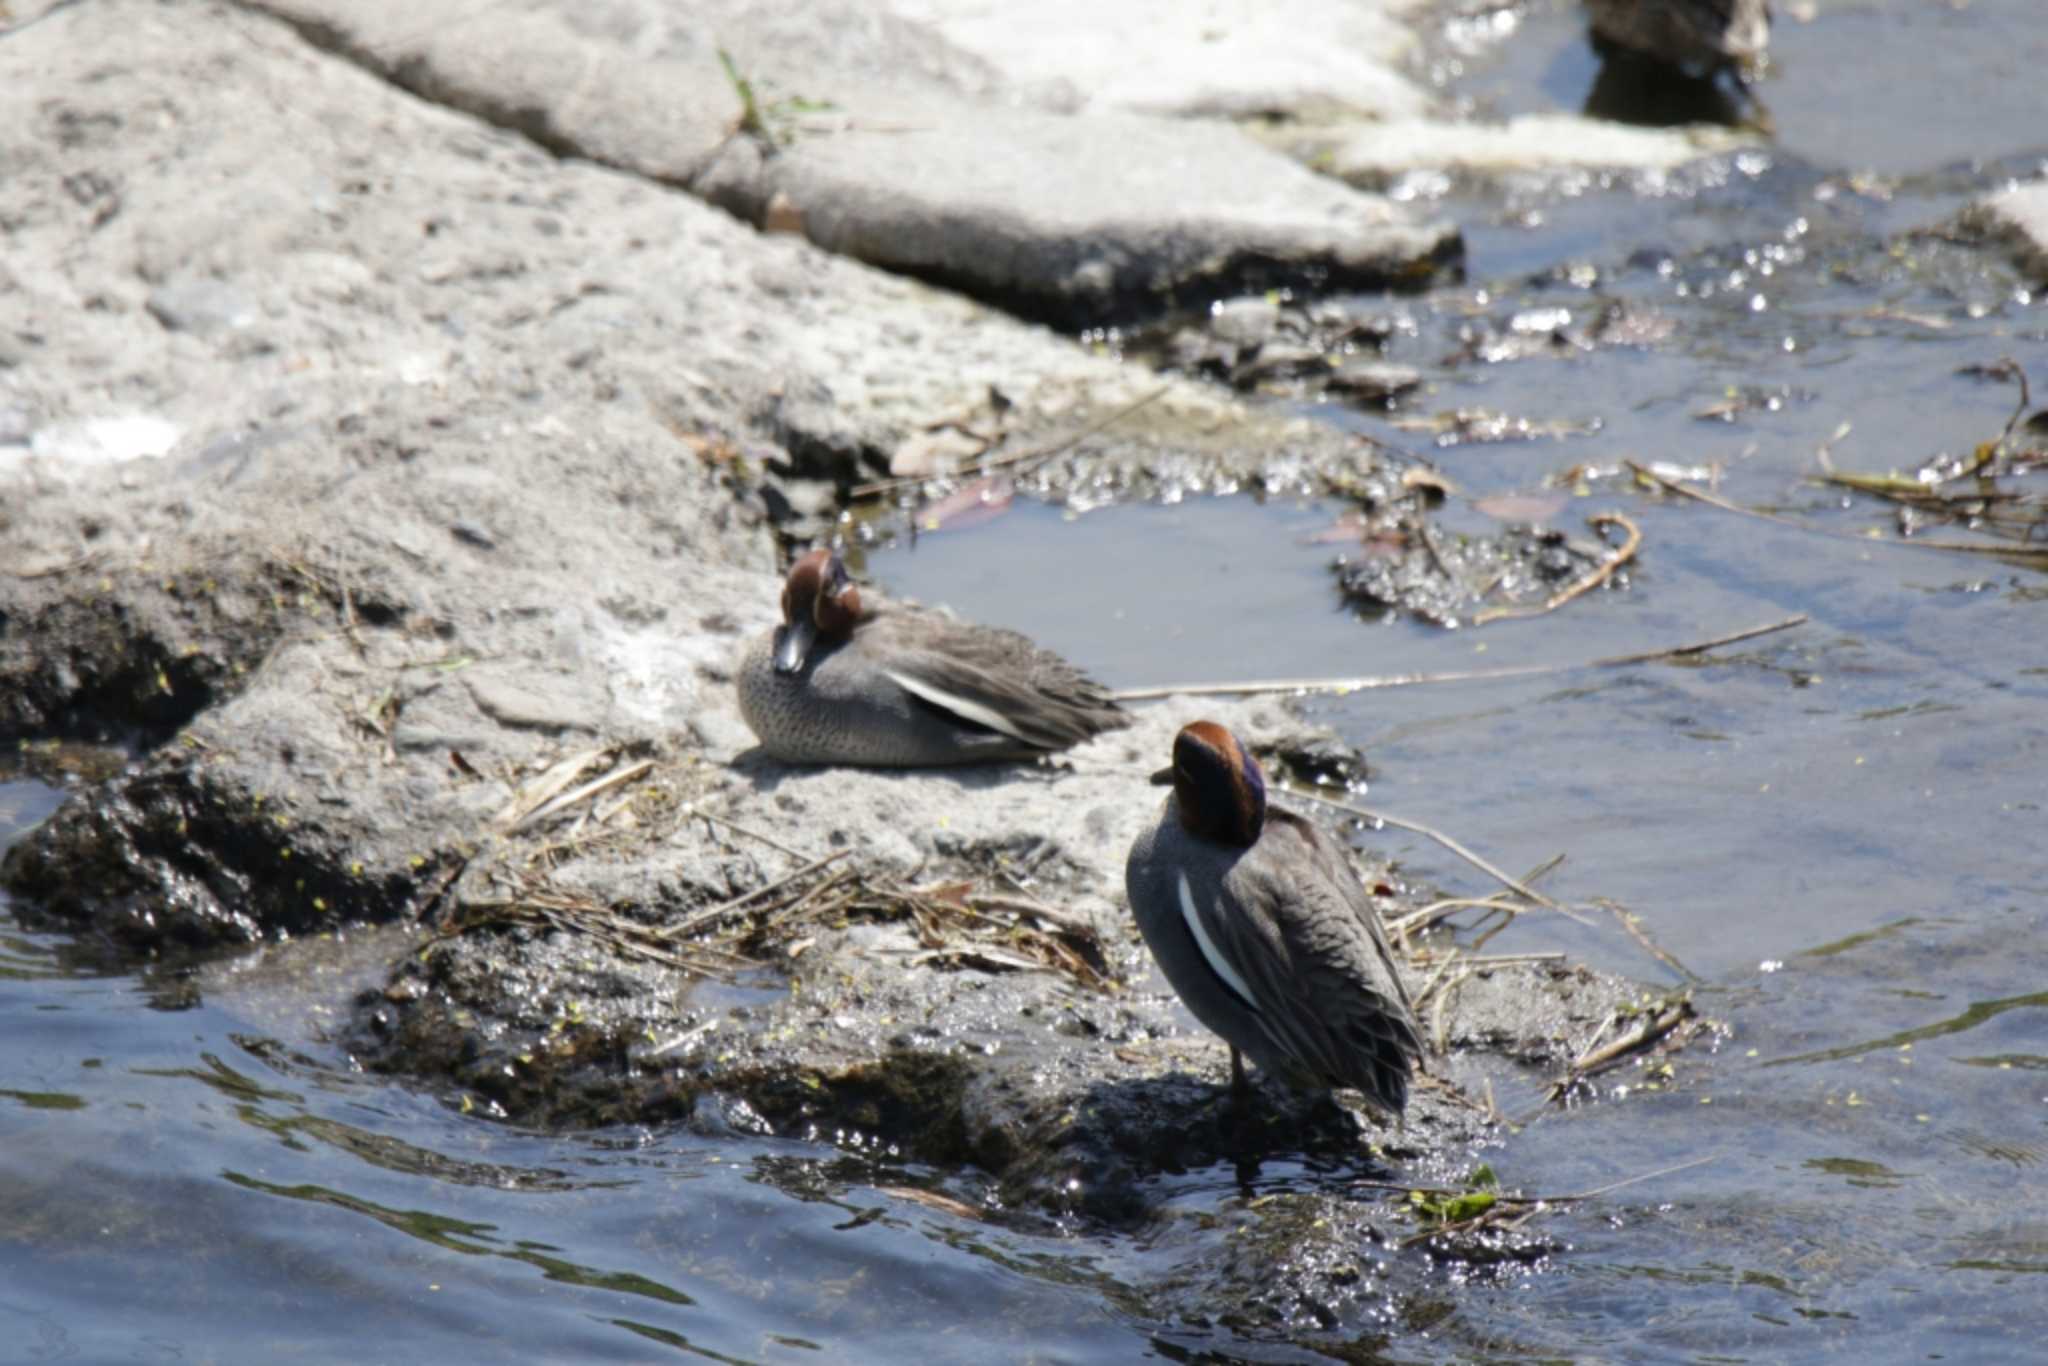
[1601, 573]
[1437, 910]
[1573, 1198]
[2007, 365]
[1910, 543]
[589, 789]
[1031, 906]
[1450, 960]
[1015, 458]
[698, 919]
[1521, 889]
[1631, 922]
[1599, 1060]
[1455, 676]
[557, 776]
[1439, 1025]
[735, 826]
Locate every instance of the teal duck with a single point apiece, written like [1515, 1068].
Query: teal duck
[1263, 929]
[846, 680]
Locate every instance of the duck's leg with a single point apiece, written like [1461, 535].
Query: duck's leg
[1244, 1125]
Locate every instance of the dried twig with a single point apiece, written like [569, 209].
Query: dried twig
[711, 915]
[1493, 960]
[1906, 542]
[1573, 1198]
[1599, 574]
[1633, 923]
[1652, 1028]
[1519, 888]
[602, 783]
[532, 796]
[1372, 681]
[737, 828]
[1403, 926]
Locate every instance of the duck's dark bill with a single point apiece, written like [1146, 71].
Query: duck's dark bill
[793, 646]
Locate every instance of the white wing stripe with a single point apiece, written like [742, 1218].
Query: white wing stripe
[1217, 962]
[952, 702]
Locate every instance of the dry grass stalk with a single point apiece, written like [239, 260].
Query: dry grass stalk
[1586, 583]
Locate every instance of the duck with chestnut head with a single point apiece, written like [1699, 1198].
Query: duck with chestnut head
[1701, 35]
[847, 679]
[1265, 932]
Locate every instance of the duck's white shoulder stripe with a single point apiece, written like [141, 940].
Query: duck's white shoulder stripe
[1217, 962]
[952, 702]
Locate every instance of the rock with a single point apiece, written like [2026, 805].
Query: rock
[97, 441]
[1239, 59]
[17, 424]
[1376, 154]
[891, 145]
[1081, 220]
[1366, 380]
[202, 307]
[2017, 219]
[1246, 322]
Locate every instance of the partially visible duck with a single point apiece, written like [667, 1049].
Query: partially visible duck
[1265, 932]
[843, 681]
[1706, 34]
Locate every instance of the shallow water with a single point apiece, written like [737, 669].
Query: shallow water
[1838, 829]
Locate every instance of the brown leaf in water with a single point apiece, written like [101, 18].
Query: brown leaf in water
[1348, 527]
[944, 1204]
[1521, 507]
[984, 500]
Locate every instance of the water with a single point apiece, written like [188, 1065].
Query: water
[1837, 829]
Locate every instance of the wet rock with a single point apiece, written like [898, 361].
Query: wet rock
[1245, 323]
[1364, 380]
[1436, 575]
[1375, 154]
[1070, 1096]
[1138, 215]
[2016, 219]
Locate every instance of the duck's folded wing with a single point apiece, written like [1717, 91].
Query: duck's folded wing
[1018, 689]
[1351, 1020]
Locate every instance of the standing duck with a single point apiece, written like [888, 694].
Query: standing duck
[886, 685]
[1265, 932]
[1706, 34]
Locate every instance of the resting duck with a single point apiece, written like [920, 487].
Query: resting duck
[886, 685]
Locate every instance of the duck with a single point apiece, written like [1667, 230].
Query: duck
[1706, 34]
[851, 680]
[1264, 931]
